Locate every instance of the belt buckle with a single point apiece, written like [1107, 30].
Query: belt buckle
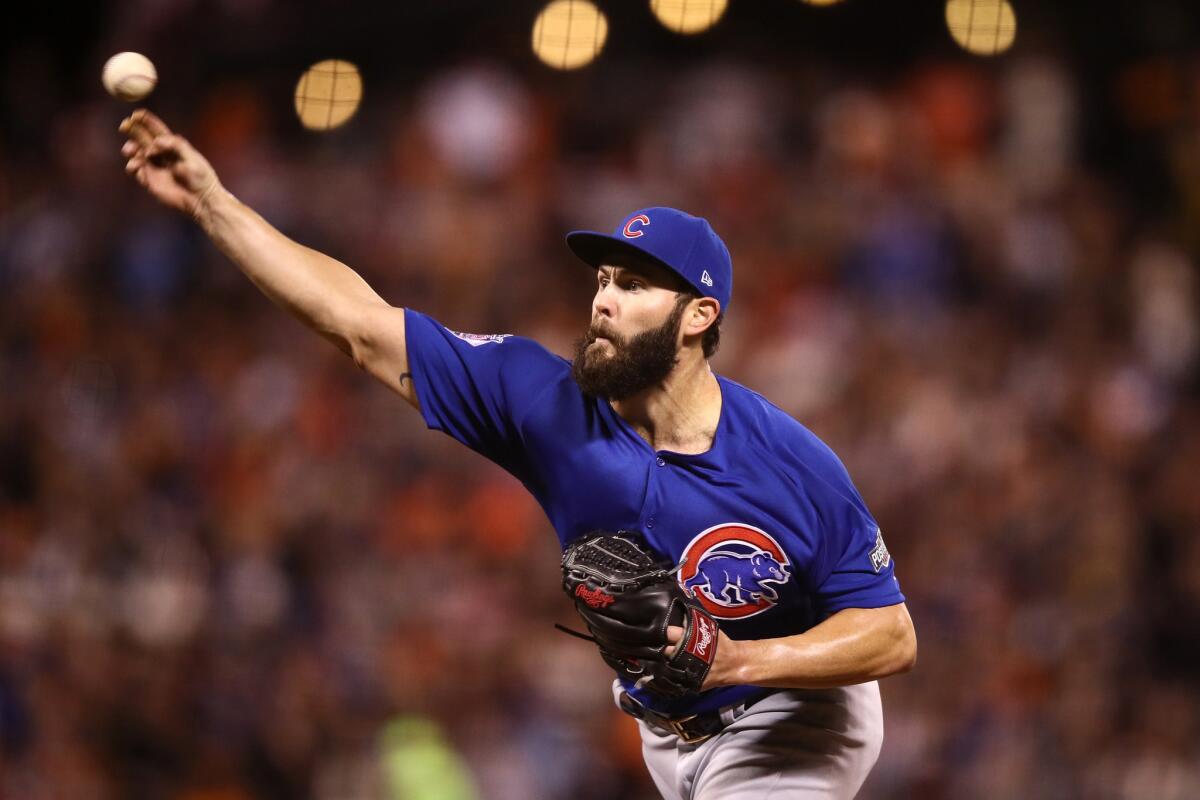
[677, 728]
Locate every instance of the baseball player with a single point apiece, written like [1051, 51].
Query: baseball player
[638, 434]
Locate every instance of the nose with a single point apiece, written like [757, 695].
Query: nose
[603, 304]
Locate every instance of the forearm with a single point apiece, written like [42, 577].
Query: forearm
[321, 291]
[852, 646]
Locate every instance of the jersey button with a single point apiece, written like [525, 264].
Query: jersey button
[662, 462]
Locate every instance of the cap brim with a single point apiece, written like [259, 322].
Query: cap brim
[596, 249]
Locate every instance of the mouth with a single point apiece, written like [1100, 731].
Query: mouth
[602, 347]
[601, 333]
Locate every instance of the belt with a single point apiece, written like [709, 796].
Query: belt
[692, 729]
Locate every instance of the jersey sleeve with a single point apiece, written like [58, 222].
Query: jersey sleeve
[845, 562]
[478, 388]
[855, 568]
[852, 568]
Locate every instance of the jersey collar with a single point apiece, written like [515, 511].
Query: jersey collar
[713, 455]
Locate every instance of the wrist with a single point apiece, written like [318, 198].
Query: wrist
[733, 664]
[208, 203]
[744, 663]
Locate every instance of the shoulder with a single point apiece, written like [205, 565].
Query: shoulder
[780, 436]
[506, 348]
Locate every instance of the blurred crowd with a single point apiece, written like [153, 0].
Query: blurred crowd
[233, 567]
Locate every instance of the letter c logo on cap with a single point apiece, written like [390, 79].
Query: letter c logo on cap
[631, 232]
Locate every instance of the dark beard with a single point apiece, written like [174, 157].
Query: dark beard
[638, 363]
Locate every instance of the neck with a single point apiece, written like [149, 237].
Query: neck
[681, 413]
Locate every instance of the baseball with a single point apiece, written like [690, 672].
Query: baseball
[129, 76]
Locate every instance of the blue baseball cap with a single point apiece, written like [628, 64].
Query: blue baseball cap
[686, 245]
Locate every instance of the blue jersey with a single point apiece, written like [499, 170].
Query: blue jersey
[772, 534]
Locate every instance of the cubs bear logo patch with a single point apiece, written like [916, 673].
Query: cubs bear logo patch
[734, 570]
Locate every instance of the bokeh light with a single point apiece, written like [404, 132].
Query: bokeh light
[982, 27]
[569, 34]
[688, 16]
[822, 2]
[328, 94]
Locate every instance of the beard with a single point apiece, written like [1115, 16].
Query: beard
[637, 363]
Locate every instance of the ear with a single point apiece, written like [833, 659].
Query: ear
[701, 313]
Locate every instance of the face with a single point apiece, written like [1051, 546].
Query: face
[632, 342]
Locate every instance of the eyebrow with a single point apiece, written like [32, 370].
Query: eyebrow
[659, 276]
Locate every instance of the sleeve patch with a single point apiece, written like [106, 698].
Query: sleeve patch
[478, 339]
[880, 557]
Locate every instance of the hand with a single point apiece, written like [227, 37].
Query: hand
[725, 666]
[165, 163]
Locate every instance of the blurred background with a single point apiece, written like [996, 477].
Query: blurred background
[233, 567]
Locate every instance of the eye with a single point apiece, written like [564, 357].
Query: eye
[635, 285]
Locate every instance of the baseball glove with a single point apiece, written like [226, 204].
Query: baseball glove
[628, 597]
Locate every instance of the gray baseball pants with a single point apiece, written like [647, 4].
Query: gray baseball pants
[794, 743]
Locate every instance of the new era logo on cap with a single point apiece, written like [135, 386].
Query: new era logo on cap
[686, 245]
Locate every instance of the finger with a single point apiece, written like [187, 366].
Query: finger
[166, 151]
[674, 636]
[166, 143]
[129, 149]
[145, 126]
[142, 176]
[137, 132]
[134, 164]
[151, 122]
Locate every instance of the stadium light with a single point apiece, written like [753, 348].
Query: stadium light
[982, 27]
[688, 16]
[328, 94]
[569, 34]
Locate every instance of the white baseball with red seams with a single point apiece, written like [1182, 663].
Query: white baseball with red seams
[129, 76]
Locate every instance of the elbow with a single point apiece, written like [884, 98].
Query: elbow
[906, 656]
[904, 651]
[356, 341]
[344, 344]
[358, 351]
